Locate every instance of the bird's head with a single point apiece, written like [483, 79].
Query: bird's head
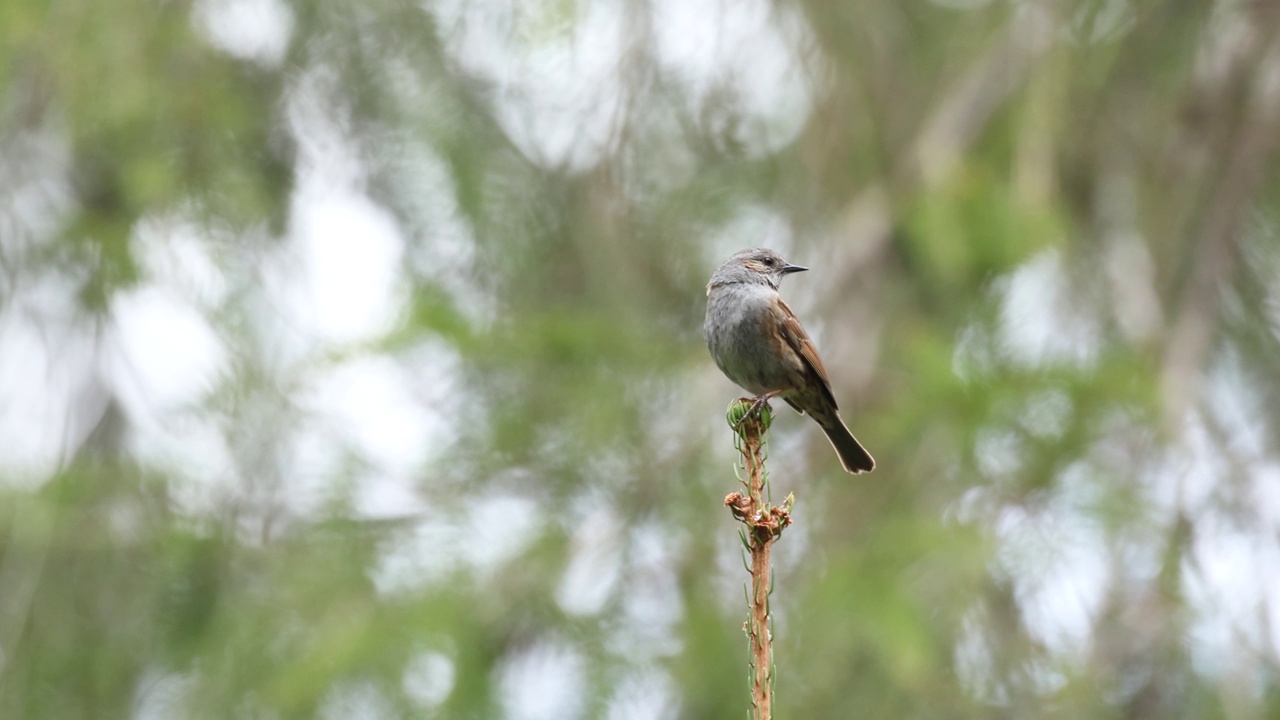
[756, 266]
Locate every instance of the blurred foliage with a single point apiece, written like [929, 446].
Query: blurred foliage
[1043, 237]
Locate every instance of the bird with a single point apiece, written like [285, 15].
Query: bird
[759, 344]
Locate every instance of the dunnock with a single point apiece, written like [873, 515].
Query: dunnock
[759, 344]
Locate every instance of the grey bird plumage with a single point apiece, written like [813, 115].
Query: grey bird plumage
[758, 343]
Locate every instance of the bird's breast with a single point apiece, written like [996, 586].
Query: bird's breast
[737, 325]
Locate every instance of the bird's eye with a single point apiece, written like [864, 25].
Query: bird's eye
[770, 261]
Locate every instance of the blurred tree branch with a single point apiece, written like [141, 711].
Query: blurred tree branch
[1216, 252]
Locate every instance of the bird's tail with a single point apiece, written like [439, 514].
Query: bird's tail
[853, 456]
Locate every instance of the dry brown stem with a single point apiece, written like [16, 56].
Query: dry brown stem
[764, 524]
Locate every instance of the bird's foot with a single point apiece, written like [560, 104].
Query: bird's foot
[757, 404]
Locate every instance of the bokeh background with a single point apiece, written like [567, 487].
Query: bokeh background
[351, 360]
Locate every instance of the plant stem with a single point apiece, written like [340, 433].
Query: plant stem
[764, 525]
[761, 638]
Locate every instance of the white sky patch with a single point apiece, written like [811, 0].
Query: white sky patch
[443, 250]
[163, 361]
[1047, 413]
[429, 679]
[357, 701]
[254, 30]
[38, 197]
[1195, 469]
[1061, 605]
[366, 405]
[751, 226]
[480, 538]
[365, 400]
[175, 254]
[595, 562]
[553, 67]
[652, 605]
[646, 694]
[167, 354]
[279, 318]
[43, 374]
[731, 574]
[498, 528]
[973, 356]
[1236, 599]
[345, 248]
[559, 69]
[543, 682]
[349, 252]
[193, 448]
[998, 452]
[1132, 275]
[749, 46]
[975, 663]
[316, 458]
[1038, 322]
[1236, 596]
[1057, 560]
[1264, 494]
[1236, 408]
[658, 160]
[161, 694]
[165, 358]
[329, 155]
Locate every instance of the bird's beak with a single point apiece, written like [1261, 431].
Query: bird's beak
[788, 269]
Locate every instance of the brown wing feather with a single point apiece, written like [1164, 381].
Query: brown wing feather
[795, 336]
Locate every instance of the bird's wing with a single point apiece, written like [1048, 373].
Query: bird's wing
[795, 336]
